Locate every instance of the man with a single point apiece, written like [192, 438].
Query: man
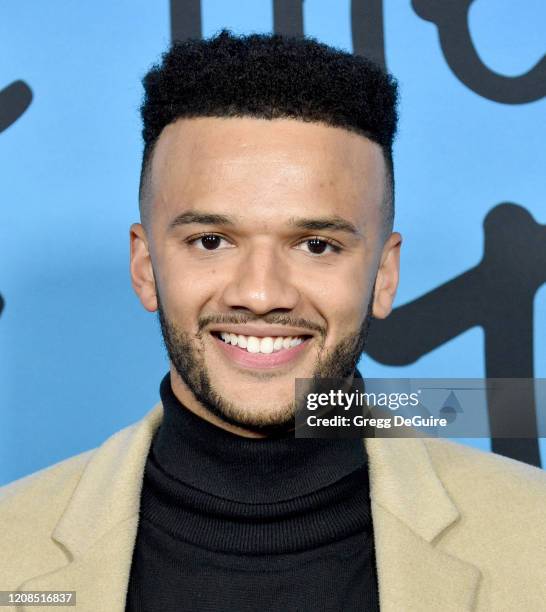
[266, 246]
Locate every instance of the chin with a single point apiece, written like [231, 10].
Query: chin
[253, 416]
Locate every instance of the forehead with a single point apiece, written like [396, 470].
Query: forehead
[243, 164]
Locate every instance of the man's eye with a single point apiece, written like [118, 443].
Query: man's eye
[207, 242]
[318, 246]
[212, 242]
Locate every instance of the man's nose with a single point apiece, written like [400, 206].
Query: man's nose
[261, 282]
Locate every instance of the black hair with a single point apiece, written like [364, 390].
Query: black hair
[270, 76]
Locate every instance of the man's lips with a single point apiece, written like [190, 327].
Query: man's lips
[242, 357]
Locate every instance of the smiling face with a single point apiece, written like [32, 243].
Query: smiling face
[263, 243]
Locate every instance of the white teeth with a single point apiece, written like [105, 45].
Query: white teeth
[265, 345]
[253, 344]
[277, 343]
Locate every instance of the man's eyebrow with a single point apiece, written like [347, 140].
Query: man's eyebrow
[307, 223]
[202, 218]
[325, 223]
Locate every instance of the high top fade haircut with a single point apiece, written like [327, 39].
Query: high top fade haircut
[269, 76]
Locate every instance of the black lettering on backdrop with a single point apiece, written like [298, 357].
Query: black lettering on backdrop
[288, 17]
[185, 19]
[14, 101]
[451, 19]
[367, 30]
[497, 295]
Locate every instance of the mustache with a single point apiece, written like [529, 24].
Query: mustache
[269, 319]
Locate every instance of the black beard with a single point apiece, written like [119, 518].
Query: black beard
[189, 364]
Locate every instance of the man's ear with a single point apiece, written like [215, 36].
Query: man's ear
[142, 273]
[386, 281]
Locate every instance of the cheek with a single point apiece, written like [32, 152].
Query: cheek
[343, 298]
[345, 308]
[184, 293]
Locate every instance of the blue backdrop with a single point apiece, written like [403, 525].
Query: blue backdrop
[79, 357]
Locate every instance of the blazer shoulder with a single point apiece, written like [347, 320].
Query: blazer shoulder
[58, 481]
[491, 489]
[52, 479]
[459, 462]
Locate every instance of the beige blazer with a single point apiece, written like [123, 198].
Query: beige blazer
[455, 528]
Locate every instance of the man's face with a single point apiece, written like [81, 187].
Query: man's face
[270, 231]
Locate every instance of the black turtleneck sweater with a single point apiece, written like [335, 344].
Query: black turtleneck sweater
[229, 523]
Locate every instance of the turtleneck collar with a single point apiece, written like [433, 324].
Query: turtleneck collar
[210, 459]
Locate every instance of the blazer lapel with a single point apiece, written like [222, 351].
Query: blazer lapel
[411, 509]
[97, 531]
[99, 576]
